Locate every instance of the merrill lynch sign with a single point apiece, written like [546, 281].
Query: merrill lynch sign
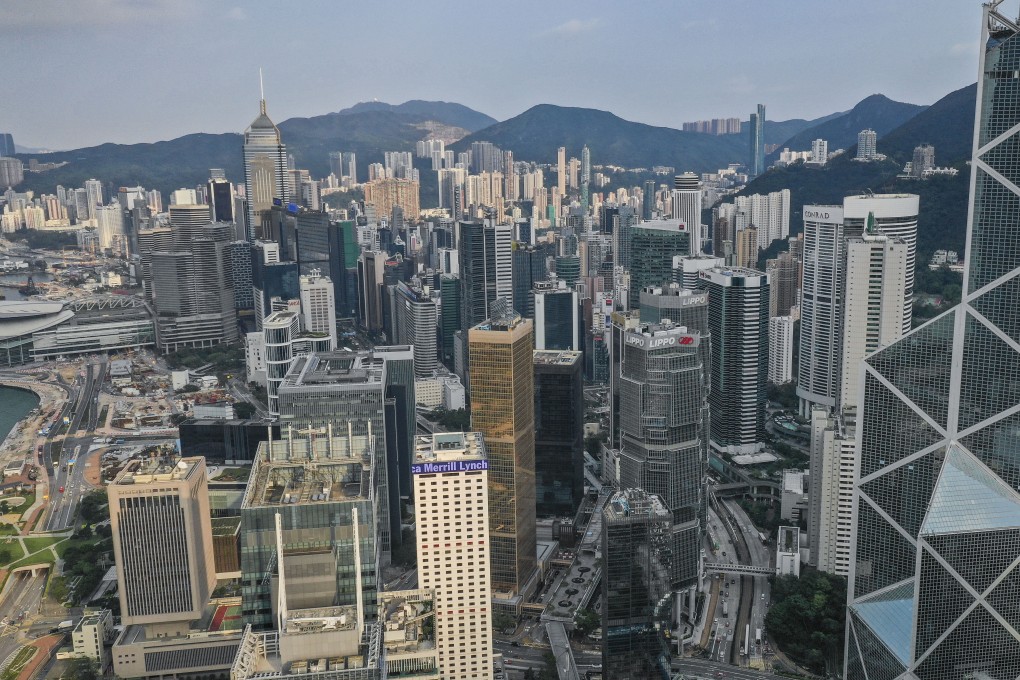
[449, 466]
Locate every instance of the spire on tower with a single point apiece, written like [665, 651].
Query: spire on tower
[262, 94]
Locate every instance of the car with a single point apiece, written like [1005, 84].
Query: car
[724, 553]
[515, 643]
[61, 489]
[763, 596]
[727, 624]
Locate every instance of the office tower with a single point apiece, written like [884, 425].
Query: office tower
[687, 269]
[311, 535]
[528, 268]
[636, 609]
[686, 206]
[745, 248]
[449, 316]
[192, 288]
[821, 306]
[370, 282]
[784, 283]
[780, 349]
[331, 389]
[12, 171]
[568, 269]
[557, 316]
[503, 411]
[561, 170]
[271, 279]
[559, 432]
[894, 215]
[318, 308]
[7, 147]
[162, 543]
[663, 421]
[239, 256]
[265, 171]
[682, 306]
[831, 496]
[738, 313]
[486, 269]
[417, 322]
[653, 245]
[278, 332]
[867, 141]
[221, 198]
[149, 241]
[872, 305]
[450, 472]
[756, 166]
[936, 507]
[647, 201]
[923, 159]
[184, 197]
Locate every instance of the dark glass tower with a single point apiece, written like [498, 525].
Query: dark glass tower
[636, 590]
[559, 424]
[934, 580]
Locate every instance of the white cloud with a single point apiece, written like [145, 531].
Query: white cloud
[32, 14]
[574, 27]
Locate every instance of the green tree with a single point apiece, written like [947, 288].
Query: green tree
[806, 619]
[244, 410]
[95, 507]
[82, 668]
[502, 621]
[585, 621]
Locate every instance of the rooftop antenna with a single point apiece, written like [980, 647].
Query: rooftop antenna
[262, 94]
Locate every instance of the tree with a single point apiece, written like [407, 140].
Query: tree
[82, 668]
[530, 674]
[244, 410]
[94, 507]
[189, 388]
[585, 621]
[806, 619]
[503, 621]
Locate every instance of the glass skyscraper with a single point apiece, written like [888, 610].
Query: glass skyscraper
[934, 589]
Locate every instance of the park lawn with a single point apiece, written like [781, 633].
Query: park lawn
[37, 543]
[19, 661]
[8, 530]
[62, 547]
[29, 501]
[14, 548]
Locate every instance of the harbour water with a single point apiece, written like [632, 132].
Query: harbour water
[14, 405]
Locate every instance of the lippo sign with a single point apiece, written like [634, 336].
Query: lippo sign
[661, 341]
[449, 466]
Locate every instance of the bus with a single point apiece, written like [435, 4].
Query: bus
[764, 538]
[747, 640]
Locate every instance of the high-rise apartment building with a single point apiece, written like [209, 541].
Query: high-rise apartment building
[663, 394]
[559, 430]
[780, 349]
[686, 206]
[450, 472]
[386, 193]
[936, 508]
[265, 171]
[831, 496]
[636, 609]
[745, 248]
[561, 170]
[738, 314]
[872, 305]
[784, 283]
[503, 410]
[867, 145]
[756, 165]
[923, 159]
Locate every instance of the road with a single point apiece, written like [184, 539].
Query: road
[726, 613]
[23, 599]
[60, 458]
[696, 669]
[759, 556]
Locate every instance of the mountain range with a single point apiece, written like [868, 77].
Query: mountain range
[370, 128]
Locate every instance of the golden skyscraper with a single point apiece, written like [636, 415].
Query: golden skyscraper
[503, 410]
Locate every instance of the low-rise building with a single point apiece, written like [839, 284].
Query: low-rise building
[92, 635]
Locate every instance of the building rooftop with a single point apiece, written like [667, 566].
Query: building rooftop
[331, 368]
[449, 446]
[670, 225]
[634, 503]
[307, 467]
[408, 621]
[152, 470]
[555, 357]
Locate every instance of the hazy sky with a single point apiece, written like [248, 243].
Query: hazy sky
[83, 72]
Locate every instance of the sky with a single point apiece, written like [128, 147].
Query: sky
[82, 72]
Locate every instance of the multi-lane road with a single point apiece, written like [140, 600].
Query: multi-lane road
[754, 624]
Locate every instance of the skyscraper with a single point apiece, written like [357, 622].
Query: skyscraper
[686, 206]
[318, 308]
[756, 166]
[664, 432]
[450, 473]
[923, 159]
[937, 531]
[738, 315]
[635, 593]
[561, 170]
[557, 316]
[559, 430]
[653, 245]
[867, 145]
[503, 410]
[417, 324]
[221, 198]
[486, 268]
[265, 170]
